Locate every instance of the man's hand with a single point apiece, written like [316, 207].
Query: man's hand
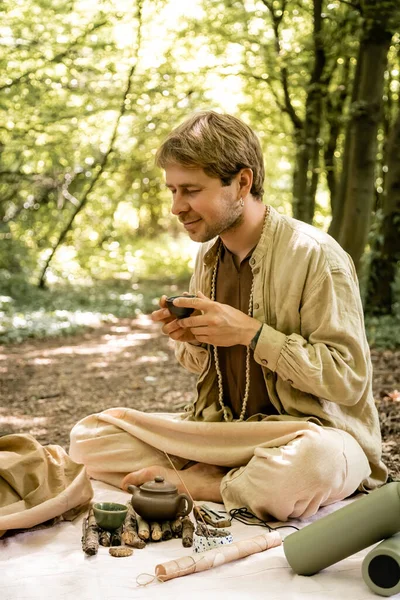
[218, 324]
[170, 324]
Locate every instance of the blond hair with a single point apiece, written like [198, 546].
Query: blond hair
[220, 144]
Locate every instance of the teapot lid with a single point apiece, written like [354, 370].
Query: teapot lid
[158, 484]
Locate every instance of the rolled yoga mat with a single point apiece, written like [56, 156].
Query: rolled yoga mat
[344, 532]
[381, 567]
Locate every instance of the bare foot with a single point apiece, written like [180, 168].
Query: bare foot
[203, 481]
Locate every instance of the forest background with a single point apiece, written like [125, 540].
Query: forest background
[89, 89]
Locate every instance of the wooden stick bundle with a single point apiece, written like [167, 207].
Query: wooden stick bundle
[166, 530]
[90, 534]
[116, 537]
[130, 533]
[105, 538]
[216, 557]
[176, 527]
[155, 531]
[143, 528]
[187, 532]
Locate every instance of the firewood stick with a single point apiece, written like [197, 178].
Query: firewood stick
[155, 531]
[90, 538]
[143, 528]
[205, 531]
[176, 527]
[129, 534]
[166, 530]
[104, 537]
[187, 532]
[116, 537]
[84, 527]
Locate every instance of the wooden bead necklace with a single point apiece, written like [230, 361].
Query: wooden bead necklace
[215, 349]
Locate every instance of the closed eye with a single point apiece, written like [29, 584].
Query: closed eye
[185, 191]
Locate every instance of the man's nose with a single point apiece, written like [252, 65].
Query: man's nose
[179, 203]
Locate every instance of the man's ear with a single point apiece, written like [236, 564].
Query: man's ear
[245, 180]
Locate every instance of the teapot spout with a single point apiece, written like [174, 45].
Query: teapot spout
[132, 489]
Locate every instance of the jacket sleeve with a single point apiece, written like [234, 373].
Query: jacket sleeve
[329, 358]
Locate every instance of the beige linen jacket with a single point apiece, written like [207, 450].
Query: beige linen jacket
[312, 348]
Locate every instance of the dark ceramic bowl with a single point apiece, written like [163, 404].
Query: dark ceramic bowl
[179, 311]
[109, 515]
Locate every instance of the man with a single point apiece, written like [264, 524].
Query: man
[284, 421]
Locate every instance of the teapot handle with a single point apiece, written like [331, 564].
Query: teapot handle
[185, 505]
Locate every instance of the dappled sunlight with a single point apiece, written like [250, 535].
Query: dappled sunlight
[112, 344]
[23, 421]
[131, 337]
[108, 348]
[151, 359]
[42, 361]
[120, 329]
[143, 320]
[99, 365]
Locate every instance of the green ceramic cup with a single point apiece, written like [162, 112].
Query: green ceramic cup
[109, 515]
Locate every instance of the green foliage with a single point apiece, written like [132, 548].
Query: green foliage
[64, 76]
[65, 309]
[384, 332]
[122, 286]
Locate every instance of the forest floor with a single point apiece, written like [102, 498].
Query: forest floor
[47, 385]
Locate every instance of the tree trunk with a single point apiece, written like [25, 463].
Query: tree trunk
[386, 251]
[334, 110]
[306, 171]
[358, 176]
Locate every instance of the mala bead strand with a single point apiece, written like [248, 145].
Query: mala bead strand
[215, 349]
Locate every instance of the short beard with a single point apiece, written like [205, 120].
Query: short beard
[226, 225]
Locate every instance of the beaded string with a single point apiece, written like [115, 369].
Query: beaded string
[215, 349]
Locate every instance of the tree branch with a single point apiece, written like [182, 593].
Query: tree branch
[106, 155]
[284, 76]
[356, 5]
[58, 57]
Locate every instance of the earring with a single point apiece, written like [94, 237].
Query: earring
[241, 202]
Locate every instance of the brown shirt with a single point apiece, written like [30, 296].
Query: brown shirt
[233, 287]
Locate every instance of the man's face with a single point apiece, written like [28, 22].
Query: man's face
[204, 206]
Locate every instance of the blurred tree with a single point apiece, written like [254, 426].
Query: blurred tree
[386, 248]
[88, 90]
[323, 66]
[84, 102]
[355, 202]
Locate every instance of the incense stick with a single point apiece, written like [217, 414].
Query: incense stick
[188, 493]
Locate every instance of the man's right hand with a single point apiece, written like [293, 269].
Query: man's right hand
[170, 325]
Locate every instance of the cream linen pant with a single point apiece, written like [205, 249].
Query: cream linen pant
[281, 469]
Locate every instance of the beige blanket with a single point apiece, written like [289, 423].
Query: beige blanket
[38, 483]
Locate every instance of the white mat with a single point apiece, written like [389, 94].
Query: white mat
[50, 565]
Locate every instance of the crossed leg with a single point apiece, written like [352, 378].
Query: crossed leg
[280, 469]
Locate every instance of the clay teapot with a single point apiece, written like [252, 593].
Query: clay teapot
[159, 500]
